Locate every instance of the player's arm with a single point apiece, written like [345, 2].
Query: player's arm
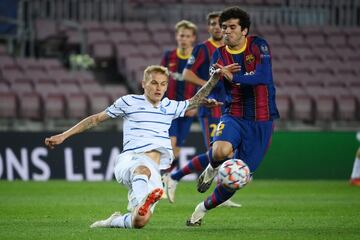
[262, 74]
[191, 77]
[82, 126]
[199, 97]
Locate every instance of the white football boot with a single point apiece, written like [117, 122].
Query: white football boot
[145, 205]
[206, 178]
[106, 223]
[170, 187]
[197, 216]
[230, 204]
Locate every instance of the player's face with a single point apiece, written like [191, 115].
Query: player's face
[233, 34]
[155, 87]
[185, 38]
[215, 29]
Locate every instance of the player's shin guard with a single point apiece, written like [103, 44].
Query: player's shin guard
[219, 195]
[197, 164]
[139, 186]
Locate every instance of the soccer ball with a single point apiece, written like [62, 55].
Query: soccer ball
[234, 174]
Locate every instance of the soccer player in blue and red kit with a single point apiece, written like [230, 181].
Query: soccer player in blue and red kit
[179, 90]
[246, 126]
[197, 72]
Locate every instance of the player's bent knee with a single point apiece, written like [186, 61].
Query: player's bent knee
[142, 170]
[221, 151]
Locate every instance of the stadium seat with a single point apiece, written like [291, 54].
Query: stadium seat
[76, 105]
[98, 102]
[22, 86]
[325, 107]
[303, 107]
[283, 103]
[120, 38]
[54, 106]
[4, 87]
[347, 108]
[115, 91]
[102, 51]
[46, 87]
[30, 106]
[8, 105]
[10, 75]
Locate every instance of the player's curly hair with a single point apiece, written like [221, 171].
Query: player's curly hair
[236, 13]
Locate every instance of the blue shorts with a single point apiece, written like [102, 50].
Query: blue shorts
[250, 139]
[208, 127]
[180, 128]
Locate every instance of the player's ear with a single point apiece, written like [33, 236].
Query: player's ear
[245, 31]
[143, 83]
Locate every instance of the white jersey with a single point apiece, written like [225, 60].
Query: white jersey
[146, 127]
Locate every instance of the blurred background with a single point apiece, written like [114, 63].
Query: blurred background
[61, 60]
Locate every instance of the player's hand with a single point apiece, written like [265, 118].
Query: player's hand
[210, 103]
[228, 70]
[52, 141]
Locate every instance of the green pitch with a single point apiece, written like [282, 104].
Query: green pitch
[271, 210]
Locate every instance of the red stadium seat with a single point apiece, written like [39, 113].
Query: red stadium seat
[54, 106]
[76, 105]
[30, 106]
[8, 105]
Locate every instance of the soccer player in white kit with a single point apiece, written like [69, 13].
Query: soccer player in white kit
[146, 143]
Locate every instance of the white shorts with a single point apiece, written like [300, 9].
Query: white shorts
[125, 165]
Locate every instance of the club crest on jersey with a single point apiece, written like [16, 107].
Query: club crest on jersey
[264, 49]
[249, 58]
[191, 60]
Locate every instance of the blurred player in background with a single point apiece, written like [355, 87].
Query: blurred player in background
[146, 143]
[355, 175]
[247, 124]
[179, 90]
[197, 72]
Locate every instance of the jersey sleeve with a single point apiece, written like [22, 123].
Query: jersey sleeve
[263, 69]
[118, 108]
[179, 107]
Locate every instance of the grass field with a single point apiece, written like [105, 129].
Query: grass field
[271, 210]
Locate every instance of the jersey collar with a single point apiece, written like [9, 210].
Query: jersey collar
[183, 57]
[213, 43]
[236, 51]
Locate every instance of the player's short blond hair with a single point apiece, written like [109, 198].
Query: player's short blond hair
[155, 69]
[187, 25]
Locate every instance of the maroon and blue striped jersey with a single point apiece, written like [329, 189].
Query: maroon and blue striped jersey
[178, 89]
[251, 94]
[199, 63]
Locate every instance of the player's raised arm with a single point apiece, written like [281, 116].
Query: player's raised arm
[82, 126]
[199, 97]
